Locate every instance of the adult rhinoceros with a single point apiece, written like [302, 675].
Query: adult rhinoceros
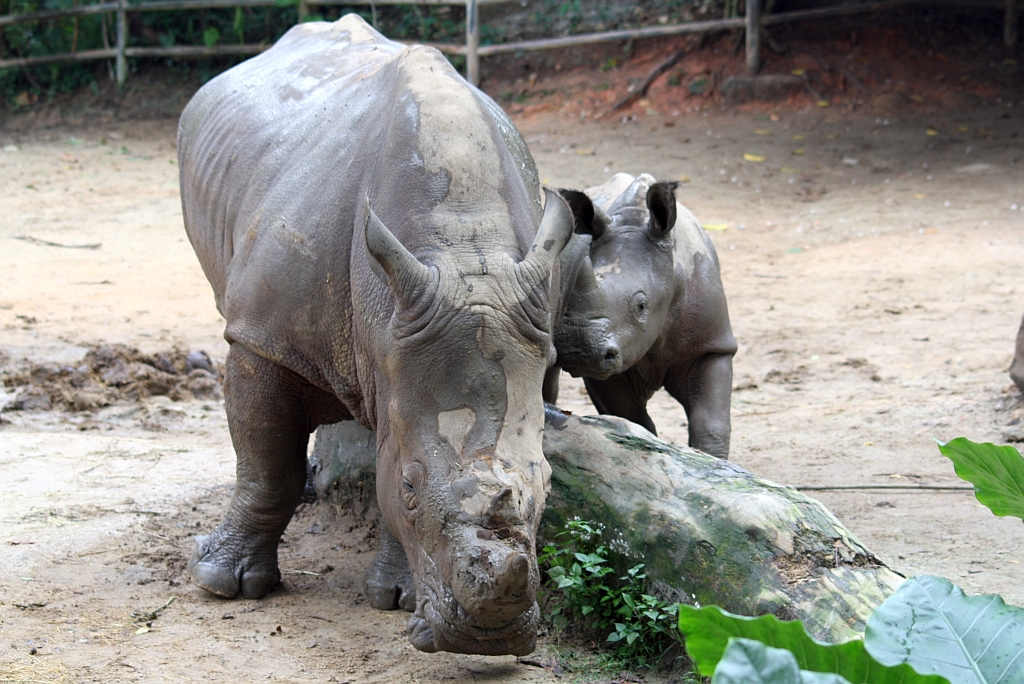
[369, 224]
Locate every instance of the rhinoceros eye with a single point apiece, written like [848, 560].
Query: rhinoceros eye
[411, 476]
[640, 307]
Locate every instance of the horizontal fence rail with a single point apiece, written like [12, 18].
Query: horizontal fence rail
[472, 50]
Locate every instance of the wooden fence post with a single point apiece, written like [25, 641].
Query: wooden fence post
[121, 63]
[303, 10]
[753, 35]
[472, 42]
[1010, 24]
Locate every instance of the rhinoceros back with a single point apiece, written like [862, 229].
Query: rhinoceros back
[277, 156]
[252, 144]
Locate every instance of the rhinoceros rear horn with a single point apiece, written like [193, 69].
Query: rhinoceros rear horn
[661, 201]
[556, 228]
[406, 276]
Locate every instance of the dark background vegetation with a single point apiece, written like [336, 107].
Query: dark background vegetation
[264, 25]
[22, 87]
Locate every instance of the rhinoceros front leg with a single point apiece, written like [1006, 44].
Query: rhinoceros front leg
[389, 582]
[267, 409]
[705, 391]
[622, 396]
[549, 390]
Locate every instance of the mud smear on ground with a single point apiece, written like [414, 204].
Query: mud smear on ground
[108, 375]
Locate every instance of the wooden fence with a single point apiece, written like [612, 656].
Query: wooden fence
[472, 49]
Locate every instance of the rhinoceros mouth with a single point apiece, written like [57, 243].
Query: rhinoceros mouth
[579, 367]
[440, 623]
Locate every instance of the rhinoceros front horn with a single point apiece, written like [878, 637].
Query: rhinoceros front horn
[406, 276]
[556, 228]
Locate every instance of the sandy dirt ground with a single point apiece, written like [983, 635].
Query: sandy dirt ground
[872, 260]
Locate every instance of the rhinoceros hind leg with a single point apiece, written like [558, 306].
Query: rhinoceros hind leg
[1017, 367]
[389, 582]
[269, 414]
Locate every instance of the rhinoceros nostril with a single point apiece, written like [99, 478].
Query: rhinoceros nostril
[611, 356]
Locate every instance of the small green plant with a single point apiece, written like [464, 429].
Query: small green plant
[584, 589]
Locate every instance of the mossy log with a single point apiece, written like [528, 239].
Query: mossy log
[708, 531]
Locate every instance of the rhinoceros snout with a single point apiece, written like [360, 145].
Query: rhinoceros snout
[611, 361]
[494, 583]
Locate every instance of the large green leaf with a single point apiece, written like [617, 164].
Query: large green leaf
[746, 661]
[932, 625]
[996, 472]
[708, 629]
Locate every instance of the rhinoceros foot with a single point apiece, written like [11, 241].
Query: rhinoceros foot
[224, 565]
[389, 583]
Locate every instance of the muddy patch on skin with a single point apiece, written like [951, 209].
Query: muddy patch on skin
[108, 375]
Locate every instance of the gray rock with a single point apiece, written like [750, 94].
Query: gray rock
[765, 88]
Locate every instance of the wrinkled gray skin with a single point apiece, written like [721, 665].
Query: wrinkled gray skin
[648, 310]
[367, 221]
[1017, 367]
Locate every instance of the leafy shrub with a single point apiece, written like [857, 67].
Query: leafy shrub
[928, 626]
[709, 630]
[585, 590]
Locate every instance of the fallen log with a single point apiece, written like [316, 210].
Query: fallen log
[708, 531]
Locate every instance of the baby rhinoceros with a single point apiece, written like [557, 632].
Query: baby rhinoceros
[647, 310]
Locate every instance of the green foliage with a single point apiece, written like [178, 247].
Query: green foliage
[639, 627]
[747, 661]
[997, 473]
[709, 629]
[932, 625]
[698, 86]
[41, 38]
[928, 626]
[209, 27]
[211, 36]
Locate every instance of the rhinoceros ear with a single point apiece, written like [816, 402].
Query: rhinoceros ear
[589, 219]
[556, 228]
[406, 276]
[582, 210]
[661, 201]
